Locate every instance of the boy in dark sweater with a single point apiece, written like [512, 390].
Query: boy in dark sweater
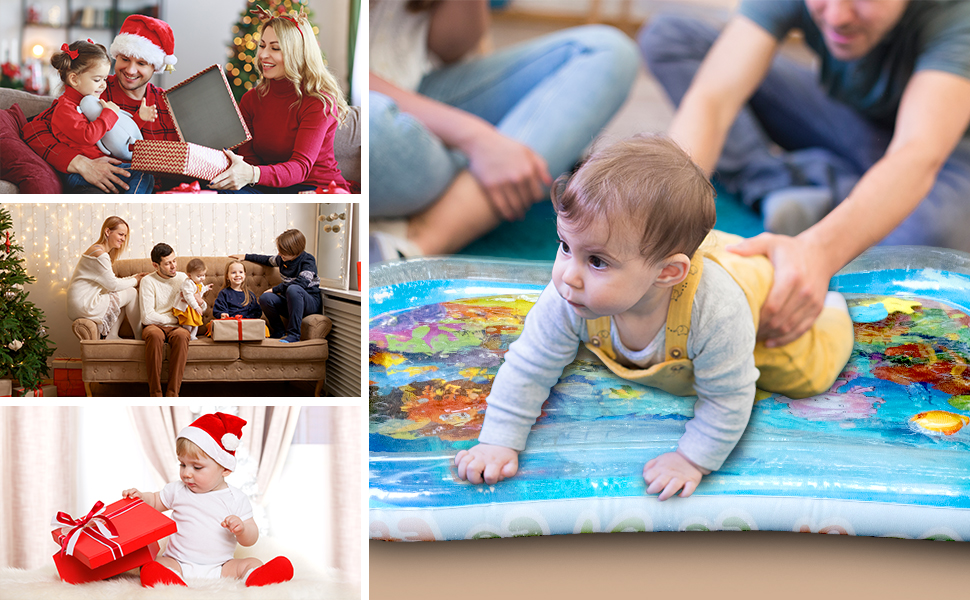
[299, 293]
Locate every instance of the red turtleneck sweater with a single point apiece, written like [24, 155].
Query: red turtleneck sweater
[290, 145]
[72, 128]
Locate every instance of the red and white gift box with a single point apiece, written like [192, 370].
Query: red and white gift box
[123, 531]
[67, 377]
[238, 329]
[206, 118]
[48, 391]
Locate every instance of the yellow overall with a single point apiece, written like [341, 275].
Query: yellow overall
[802, 368]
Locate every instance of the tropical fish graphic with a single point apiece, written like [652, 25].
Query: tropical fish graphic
[940, 421]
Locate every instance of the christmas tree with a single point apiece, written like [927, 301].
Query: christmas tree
[241, 67]
[24, 345]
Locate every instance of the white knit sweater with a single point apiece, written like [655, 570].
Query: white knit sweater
[92, 281]
[158, 296]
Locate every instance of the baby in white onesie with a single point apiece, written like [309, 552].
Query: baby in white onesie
[212, 516]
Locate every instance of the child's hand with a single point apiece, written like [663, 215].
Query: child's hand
[224, 316]
[487, 462]
[110, 105]
[238, 256]
[234, 524]
[133, 493]
[670, 472]
[198, 298]
[147, 113]
[206, 288]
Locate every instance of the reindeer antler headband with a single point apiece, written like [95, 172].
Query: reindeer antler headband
[264, 15]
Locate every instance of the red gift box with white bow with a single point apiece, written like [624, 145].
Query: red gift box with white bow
[122, 533]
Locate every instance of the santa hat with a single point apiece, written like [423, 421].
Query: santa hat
[147, 38]
[217, 435]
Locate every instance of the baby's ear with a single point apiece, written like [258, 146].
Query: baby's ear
[674, 270]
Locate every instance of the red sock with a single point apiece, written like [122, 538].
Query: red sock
[277, 570]
[155, 573]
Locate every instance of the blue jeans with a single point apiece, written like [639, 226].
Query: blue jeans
[824, 142]
[263, 189]
[295, 304]
[138, 183]
[553, 94]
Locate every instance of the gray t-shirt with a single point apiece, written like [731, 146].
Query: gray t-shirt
[720, 345]
[930, 35]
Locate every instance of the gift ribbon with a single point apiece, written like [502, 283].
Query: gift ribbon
[239, 321]
[188, 188]
[96, 525]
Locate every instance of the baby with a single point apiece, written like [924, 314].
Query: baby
[211, 515]
[640, 281]
[190, 305]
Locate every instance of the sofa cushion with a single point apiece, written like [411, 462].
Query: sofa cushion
[21, 166]
[276, 351]
[201, 350]
[346, 146]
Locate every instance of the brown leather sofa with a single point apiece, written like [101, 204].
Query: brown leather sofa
[109, 361]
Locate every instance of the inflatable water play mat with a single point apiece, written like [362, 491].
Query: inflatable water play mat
[885, 452]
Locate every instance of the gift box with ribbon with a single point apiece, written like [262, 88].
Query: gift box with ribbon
[207, 119]
[71, 570]
[238, 329]
[107, 534]
[46, 390]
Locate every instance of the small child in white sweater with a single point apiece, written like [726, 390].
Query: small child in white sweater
[191, 305]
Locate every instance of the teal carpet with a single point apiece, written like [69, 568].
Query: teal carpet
[534, 238]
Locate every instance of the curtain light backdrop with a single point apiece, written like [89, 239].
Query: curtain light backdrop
[54, 236]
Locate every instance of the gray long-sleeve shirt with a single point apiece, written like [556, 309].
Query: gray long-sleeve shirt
[720, 345]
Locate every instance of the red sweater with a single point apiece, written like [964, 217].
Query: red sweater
[290, 146]
[39, 134]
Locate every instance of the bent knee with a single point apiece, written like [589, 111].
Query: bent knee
[670, 37]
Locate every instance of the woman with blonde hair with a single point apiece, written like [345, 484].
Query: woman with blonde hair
[96, 293]
[293, 113]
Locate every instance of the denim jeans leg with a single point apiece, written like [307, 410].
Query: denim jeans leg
[138, 183]
[789, 109]
[300, 304]
[409, 166]
[273, 306]
[554, 94]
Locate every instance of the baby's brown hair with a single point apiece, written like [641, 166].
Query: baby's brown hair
[88, 55]
[291, 242]
[187, 449]
[196, 265]
[646, 180]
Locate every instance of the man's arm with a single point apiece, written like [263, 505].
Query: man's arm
[733, 69]
[933, 115]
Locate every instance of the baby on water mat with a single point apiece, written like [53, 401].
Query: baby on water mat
[641, 279]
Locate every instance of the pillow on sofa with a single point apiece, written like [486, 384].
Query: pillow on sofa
[21, 165]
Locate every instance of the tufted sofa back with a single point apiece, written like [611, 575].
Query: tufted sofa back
[258, 277]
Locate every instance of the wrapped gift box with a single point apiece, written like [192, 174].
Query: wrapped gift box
[207, 119]
[67, 377]
[71, 570]
[46, 391]
[238, 330]
[6, 387]
[137, 525]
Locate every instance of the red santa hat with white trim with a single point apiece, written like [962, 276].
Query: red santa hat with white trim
[218, 435]
[146, 38]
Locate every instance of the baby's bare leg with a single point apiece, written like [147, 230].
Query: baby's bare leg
[237, 567]
[170, 563]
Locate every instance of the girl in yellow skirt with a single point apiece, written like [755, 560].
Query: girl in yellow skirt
[191, 305]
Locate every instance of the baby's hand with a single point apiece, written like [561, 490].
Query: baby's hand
[487, 462]
[670, 472]
[133, 493]
[234, 524]
[111, 105]
[147, 113]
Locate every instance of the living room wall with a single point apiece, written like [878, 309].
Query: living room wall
[55, 235]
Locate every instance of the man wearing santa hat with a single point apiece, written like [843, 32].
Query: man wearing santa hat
[144, 46]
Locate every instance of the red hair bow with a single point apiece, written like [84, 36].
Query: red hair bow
[72, 53]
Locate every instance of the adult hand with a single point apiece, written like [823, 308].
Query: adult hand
[488, 463]
[798, 292]
[100, 172]
[147, 113]
[111, 106]
[236, 176]
[670, 472]
[138, 277]
[512, 174]
[238, 256]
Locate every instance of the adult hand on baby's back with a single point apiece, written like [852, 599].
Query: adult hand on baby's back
[670, 472]
[512, 174]
[488, 463]
[798, 291]
[233, 523]
[100, 172]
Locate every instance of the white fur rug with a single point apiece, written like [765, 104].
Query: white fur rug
[308, 583]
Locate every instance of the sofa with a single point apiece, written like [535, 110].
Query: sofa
[109, 361]
[23, 171]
